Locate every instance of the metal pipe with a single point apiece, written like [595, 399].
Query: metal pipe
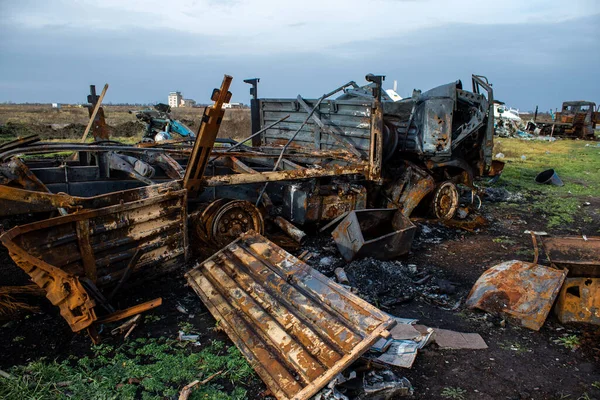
[290, 229]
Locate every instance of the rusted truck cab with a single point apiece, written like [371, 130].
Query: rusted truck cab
[579, 118]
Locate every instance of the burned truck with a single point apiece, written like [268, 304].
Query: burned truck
[415, 148]
[121, 211]
[577, 119]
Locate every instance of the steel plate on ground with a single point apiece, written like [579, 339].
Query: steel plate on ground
[522, 291]
[296, 327]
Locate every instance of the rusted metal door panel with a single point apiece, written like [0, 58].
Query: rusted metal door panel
[99, 244]
[296, 327]
[522, 291]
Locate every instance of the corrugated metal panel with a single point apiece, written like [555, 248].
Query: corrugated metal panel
[349, 119]
[296, 327]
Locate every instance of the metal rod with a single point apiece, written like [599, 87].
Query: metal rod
[250, 137]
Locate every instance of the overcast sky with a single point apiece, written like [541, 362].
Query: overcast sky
[533, 51]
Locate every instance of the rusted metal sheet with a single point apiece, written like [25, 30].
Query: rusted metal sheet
[579, 301]
[296, 327]
[580, 256]
[522, 291]
[69, 256]
[381, 233]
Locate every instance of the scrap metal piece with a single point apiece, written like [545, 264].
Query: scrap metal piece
[522, 291]
[97, 123]
[290, 229]
[207, 134]
[383, 233]
[297, 328]
[579, 298]
[581, 256]
[304, 202]
[59, 253]
[407, 192]
[579, 301]
[131, 311]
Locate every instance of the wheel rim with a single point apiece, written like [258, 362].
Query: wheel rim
[226, 221]
[445, 201]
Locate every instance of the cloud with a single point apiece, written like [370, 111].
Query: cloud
[529, 61]
[259, 26]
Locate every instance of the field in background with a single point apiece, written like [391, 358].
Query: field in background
[70, 121]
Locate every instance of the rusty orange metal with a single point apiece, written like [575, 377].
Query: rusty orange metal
[524, 292]
[207, 134]
[579, 298]
[580, 256]
[579, 301]
[296, 327]
[69, 255]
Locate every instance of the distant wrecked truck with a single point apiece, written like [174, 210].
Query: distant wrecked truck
[577, 119]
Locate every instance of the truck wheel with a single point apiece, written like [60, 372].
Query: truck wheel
[445, 201]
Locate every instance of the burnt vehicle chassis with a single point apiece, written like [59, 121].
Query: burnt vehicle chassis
[128, 210]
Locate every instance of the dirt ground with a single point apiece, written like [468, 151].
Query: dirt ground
[519, 363]
[70, 121]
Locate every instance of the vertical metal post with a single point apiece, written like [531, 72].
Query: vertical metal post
[254, 109]
[205, 140]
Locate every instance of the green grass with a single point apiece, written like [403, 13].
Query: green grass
[577, 165]
[142, 368]
[571, 342]
[455, 393]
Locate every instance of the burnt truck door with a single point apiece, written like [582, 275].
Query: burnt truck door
[481, 85]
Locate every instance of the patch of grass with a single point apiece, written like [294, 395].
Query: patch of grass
[577, 165]
[454, 393]
[151, 318]
[596, 384]
[559, 211]
[142, 368]
[571, 342]
[186, 328]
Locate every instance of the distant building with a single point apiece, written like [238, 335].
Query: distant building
[56, 105]
[187, 103]
[175, 99]
[233, 105]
